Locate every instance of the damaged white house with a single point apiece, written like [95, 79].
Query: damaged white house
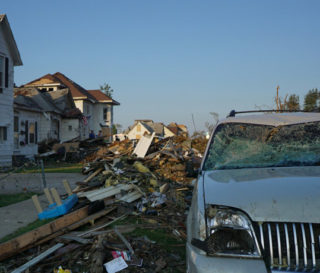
[9, 57]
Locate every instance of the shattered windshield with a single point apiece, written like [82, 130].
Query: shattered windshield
[236, 145]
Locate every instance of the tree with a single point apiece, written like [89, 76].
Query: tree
[114, 129]
[106, 88]
[118, 127]
[281, 103]
[292, 103]
[311, 100]
[209, 126]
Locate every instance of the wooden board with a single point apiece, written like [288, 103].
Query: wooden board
[70, 147]
[76, 225]
[15, 245]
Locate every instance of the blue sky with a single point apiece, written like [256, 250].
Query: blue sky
[169, 59]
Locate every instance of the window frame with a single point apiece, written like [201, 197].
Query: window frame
[105, 113]
[3, 134]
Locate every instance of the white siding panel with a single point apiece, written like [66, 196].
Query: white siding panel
[70, 129]
[6, 108]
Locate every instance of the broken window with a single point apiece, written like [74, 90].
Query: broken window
[237, 145]
[3, 134]
[70, 127]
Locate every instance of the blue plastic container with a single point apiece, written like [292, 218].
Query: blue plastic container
[54, 211]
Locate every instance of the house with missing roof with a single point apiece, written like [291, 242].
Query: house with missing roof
[141, 127]
[9, 58]
[96, 107]
[44, 116]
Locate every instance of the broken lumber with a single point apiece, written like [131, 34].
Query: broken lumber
[26, 240]
[89, 178]
[93, 175]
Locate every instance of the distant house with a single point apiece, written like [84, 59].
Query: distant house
[58, 118]
[141, 127]
[178, 129]
[96, 107]
[9, 57]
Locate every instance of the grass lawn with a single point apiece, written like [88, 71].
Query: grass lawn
[22, 230]
[8, 199]
[53, 167]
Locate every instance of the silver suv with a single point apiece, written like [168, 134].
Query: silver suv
[256, 202]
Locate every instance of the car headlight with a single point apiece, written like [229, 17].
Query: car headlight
[229, 233]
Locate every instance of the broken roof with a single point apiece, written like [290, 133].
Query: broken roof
[59, 101]
[12, 45]
[41, 100]
[77, 91]
[101, 97]
[26, 103]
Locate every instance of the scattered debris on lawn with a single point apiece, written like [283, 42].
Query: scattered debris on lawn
[131, 207]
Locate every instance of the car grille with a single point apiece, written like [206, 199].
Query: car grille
[290, 246]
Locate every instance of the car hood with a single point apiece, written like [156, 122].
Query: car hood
[267, 194]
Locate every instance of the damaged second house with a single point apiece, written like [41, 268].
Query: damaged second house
[54, 108]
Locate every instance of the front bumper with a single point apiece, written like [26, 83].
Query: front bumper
[199, 263]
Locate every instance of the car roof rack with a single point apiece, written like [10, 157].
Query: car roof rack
[233, 113]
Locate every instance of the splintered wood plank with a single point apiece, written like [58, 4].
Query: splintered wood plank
[67, 187]
[15, 245]
[36, 203]
[93, 175]
[76, 189]
[56, 196]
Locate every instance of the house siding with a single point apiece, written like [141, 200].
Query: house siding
[97, 117]
[70, 129]
[47, 130]
[6, 108]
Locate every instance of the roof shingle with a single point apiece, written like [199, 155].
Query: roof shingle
[101, 97]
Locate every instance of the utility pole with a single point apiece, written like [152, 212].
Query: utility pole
[277, 98]
[194, 125]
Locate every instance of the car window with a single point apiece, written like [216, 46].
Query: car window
[238, 145]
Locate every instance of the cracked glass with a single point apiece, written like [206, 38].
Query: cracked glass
[238, 145]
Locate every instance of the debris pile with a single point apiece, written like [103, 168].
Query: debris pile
[133, 211]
